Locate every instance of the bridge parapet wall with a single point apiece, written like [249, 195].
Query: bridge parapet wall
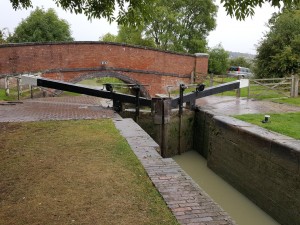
[68, 61]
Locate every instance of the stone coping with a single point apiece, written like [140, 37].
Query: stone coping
[29, 44]
[186, 200]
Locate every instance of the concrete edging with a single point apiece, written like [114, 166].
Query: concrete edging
[187, 201]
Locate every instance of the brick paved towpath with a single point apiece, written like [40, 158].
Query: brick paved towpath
[56, 108]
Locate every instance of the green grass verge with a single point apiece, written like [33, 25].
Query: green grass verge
[74, 172]
[106, 80]
[287, 123]
[67, 93]
[110, 80]
[256, 92]
[290, 101]
[13, 94]
[3, 96]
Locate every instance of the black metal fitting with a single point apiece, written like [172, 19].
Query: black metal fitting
[200, 87]
[109, 87]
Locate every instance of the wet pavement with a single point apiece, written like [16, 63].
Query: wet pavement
[56, 108]
[227, 105]
[87, 107]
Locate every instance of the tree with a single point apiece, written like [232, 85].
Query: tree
[244, 8]
[129, 11]
[4, 34]
[108, 37]
[42, 26]
[136, 12]
[279, 51]
[218, 60]
[181, 25]
[2, 40]
[129, 35]
[240, 61]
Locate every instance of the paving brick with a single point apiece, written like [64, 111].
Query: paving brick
[62, 108]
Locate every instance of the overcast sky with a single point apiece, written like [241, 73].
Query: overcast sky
[237, 36]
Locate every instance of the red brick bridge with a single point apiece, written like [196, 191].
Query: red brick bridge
[76, 61]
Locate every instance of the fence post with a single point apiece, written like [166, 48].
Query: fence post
[31, 91]
[211, 80]
[18, 87]
[292, 86]
[238, 91]
[6, 85]
[296, 86]
[248, 94]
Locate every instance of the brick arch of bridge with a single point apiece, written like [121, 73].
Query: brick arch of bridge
[126, 79]
[68, 61]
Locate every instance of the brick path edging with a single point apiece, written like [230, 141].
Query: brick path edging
[187, 201]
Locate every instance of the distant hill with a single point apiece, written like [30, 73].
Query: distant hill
[233, 55]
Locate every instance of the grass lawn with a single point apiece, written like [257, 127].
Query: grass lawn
[291, 101]
[98, 83]
[13, 94]
[74, 172]
[287, 123]
[68, 93]
[3, 96]
[107, 80]
[256, 92]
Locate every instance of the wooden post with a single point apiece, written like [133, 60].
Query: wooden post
[31, 91]
[296, 86]
[292, 86]
[6, 85]
[162, 112]
[18, 87]
[21, 87]
[248, 94]
[238, 91]
[211, 80]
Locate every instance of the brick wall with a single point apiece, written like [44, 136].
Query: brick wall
[201, 67]
[262, 165]
[67, 61]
